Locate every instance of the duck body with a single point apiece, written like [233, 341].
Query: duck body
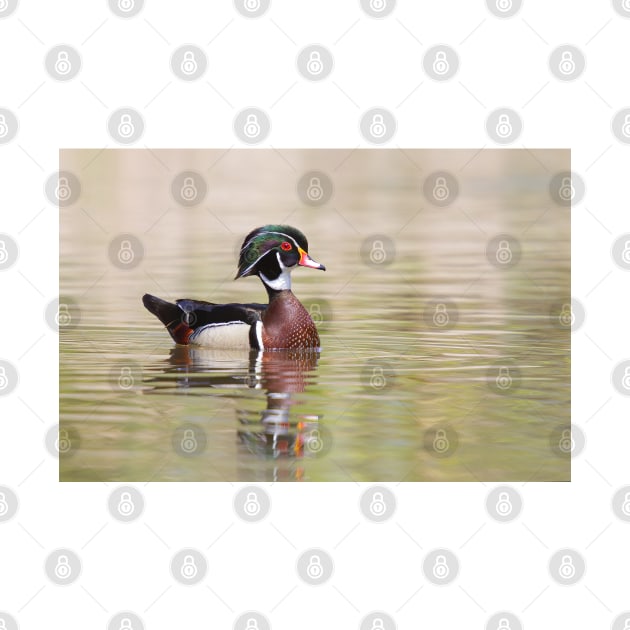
[271, 252]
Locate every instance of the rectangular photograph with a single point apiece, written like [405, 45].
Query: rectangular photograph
[365, 315]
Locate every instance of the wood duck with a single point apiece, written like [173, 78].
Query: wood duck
[270, 252]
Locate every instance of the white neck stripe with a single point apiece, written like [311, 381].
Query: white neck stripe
[282, 282]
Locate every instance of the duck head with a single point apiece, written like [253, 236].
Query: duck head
[271, 252]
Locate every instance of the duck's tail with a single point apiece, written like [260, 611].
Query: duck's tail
[171, 315]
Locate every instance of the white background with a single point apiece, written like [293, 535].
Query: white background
[251, 62]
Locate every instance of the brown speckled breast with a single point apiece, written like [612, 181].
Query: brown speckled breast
[287, 324]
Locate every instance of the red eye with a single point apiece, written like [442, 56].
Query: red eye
[286, 246]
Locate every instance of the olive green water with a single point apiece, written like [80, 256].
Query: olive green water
[437, 364]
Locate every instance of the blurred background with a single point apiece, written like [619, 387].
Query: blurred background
[444, 315]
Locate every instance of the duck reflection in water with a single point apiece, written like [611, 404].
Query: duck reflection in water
[277, 431]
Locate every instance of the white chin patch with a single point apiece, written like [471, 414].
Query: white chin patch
[283, 281]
